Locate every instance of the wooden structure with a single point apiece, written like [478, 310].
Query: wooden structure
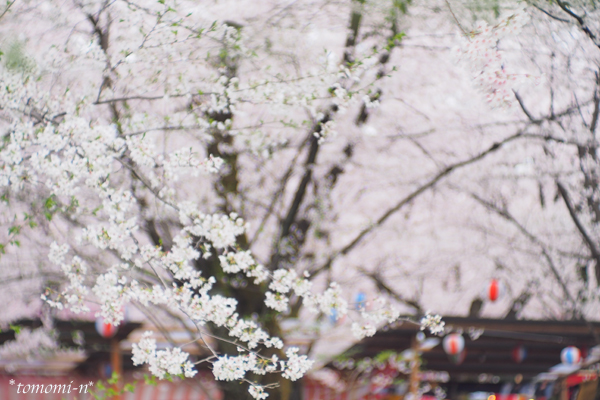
[489, 345]
[98, 350]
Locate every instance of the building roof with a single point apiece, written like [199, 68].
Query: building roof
[489, 344]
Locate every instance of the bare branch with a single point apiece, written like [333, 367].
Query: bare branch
[550, 138]
[115, 100]
[456, 19]
[525, 295]
[527, 113]
[507, 216]
[580, 21]
[550, 15]
[278, 193]
[594, 122]
[413, 195]
[383, 287]
[8, 6]
[586, 237]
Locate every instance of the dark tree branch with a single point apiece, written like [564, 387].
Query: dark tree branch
[413, 195]
[294, 208]
[551, 15]
[383, 287]
[116, 100]
[549, 138]
[286, 224]
[524, 297]
[8, 6]
[507, 216]
[518, 303]
[282, 184]
[580, 21]
[301, 190]
[102, 33]
[355, 20]
[586, 237]
[525, 111]
[596, 112]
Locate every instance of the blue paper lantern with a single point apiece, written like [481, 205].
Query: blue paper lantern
[570, 355]
[361, 301]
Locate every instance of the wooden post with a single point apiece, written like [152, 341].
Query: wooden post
[116, 364]
[564, 393]
[414, 371]
[414, 378]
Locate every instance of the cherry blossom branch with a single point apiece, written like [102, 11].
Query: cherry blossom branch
[138, 176]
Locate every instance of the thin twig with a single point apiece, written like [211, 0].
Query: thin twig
[8, 6]
[413, 195]
[456, 19]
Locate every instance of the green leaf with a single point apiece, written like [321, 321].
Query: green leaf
[384, 356]
[114, 379]
[15, 328]
[150, 380]
[50, 203]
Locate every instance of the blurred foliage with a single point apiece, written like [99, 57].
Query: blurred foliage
[15, 59]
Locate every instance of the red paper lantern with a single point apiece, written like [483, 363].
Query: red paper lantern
[105, 329]
[458, 358]
[519, 354]
[454, 344]
[495, 290]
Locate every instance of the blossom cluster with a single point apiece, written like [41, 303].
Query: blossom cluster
[480, 51]
[28, 342]
[434, 323]
[161, 362]
[105, 175]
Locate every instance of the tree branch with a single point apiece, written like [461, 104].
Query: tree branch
[580, 20]
[413, 195]
[550, 15]
[586, 237]
[8, 6]
[525, 295]
[507, 216]
[525, 111]
[278, 193]
[383, 287]
[596, 112]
